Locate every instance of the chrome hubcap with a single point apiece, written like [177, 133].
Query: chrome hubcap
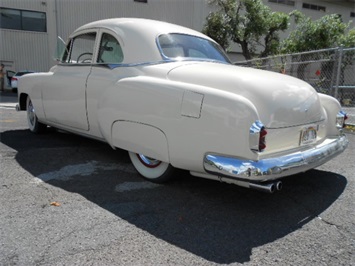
[148, 162]
[31, 113]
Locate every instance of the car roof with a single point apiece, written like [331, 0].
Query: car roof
[138, 36]
[153, 27]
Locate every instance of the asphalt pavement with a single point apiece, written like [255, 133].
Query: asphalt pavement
[68, 200]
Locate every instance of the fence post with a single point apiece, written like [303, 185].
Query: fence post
[338, 71]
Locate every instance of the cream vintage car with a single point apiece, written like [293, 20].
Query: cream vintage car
[170, 97]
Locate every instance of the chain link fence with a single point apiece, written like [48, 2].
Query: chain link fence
[329, 71]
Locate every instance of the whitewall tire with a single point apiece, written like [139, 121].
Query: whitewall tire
[32, 120]
[153, 170]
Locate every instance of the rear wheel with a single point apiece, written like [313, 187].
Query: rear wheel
[32, 120]
[151, 169]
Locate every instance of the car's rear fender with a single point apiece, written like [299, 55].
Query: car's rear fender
[332, 108]
[177, 117]
[136, 101]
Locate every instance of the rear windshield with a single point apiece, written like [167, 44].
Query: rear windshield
[181, 46]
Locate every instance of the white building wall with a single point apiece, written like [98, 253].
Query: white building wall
[24, 50]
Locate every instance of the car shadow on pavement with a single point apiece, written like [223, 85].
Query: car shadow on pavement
[219, 222]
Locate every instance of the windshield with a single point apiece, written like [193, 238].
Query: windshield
[180, 46]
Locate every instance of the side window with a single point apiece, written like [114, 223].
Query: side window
[81, 49]
[110, 50]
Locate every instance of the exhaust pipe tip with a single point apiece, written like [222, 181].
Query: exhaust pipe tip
[278, 185]
[269, 188]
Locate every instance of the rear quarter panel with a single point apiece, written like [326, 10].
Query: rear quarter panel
[222, 126]
[332, 108]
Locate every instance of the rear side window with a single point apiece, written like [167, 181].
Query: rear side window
[110, 50]
[80, 49]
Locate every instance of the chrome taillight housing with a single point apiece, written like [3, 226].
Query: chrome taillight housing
[257, 136]
[340, 120]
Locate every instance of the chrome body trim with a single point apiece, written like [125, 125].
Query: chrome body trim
[276, 167]
[340, 122]
[165, 61]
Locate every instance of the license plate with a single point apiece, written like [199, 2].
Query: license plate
[308, 135]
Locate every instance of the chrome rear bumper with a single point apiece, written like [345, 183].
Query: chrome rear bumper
[273, 168]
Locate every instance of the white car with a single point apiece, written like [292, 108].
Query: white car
[17, 76]
[170, 97]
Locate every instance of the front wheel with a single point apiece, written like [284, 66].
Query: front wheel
[151, 169]
[32, 120]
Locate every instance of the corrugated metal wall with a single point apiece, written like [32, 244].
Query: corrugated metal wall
[27, 51]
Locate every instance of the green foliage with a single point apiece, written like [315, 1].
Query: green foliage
[216, 29]
[348, 40]
[327, 32]
[253, 26]
[249, 23]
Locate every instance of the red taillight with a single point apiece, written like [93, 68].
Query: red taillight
[345, 118]
[257, 136]
[262, 139]
[340, 120]
[13, 78]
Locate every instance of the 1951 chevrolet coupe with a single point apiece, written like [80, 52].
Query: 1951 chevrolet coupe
[170, 97]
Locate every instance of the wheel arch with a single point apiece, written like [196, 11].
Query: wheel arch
[140, 138]
[22, 101]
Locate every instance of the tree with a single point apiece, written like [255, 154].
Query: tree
[348, 40]
[249, 23]
[327, 32]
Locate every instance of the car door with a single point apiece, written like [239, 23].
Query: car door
[107, 70]
[64, 94]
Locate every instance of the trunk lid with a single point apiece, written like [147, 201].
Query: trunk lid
[281, 100]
